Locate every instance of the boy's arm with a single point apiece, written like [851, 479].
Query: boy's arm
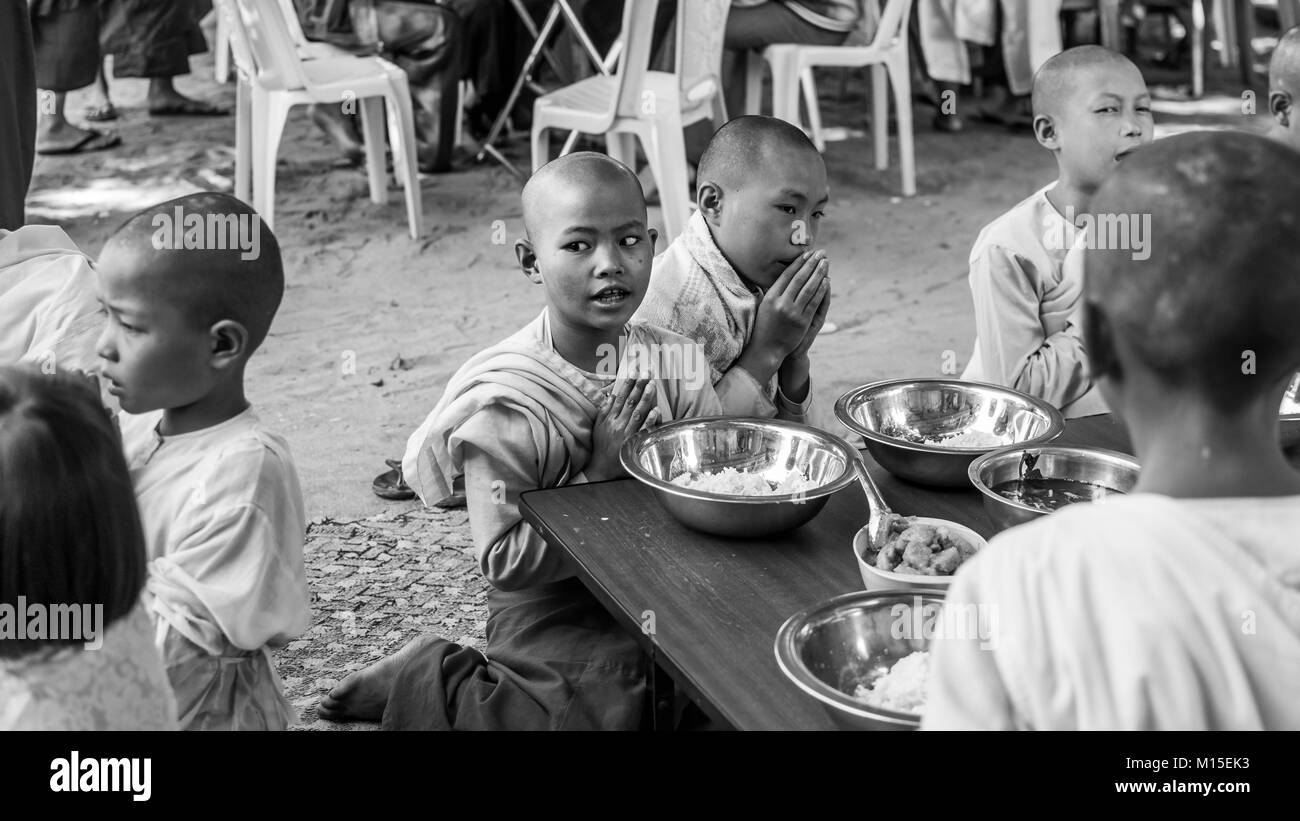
[1013, 347]
[511, 554]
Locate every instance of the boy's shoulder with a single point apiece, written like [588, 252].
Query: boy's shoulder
[1022, 229]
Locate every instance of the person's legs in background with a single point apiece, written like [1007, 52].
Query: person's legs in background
[155, 40]
[17, 112]
[65, 40]
[754, 28]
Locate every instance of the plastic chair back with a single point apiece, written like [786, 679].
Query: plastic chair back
[270, 44]
[638, 30]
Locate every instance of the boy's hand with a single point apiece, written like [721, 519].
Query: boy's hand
[629, 406]
[815, 325]
[785, 313]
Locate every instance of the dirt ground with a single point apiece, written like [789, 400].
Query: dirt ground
[373, 323]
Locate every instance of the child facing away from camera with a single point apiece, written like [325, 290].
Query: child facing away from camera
[218, 493]
[742, 278]
[72, 566]
[1091, 110]
[550, 406]
[1177, 606]
[1284, 89]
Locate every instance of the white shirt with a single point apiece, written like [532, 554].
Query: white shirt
[49, 315]
[1140, 612]
[224, 525]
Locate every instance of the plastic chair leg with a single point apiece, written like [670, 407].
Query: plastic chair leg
[1197, 35]
[902, 81]
[539, 143]
[401, 128]
[621, 145]
[880, 116]
[753, 81]
[243, 141]
[785, 86]
[666, 150]
[809, 86]
[719, 110]
[372, 131]
[269, 113]
[221, 49]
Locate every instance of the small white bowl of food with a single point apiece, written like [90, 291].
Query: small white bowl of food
[918, 552]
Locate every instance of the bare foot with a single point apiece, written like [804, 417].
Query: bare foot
[363, 695]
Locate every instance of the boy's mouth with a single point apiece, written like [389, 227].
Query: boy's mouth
[611, 296]
[1125, 153]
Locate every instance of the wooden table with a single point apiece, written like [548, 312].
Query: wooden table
[707, 609]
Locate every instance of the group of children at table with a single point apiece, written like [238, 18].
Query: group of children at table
[1177, 606]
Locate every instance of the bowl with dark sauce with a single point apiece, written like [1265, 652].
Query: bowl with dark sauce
[1021, 484]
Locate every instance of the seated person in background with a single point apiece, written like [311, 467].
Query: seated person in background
[1176, 607]
[740, 279]
[218, 493]
[1284, 89]
[70, 539]
[1091, 109]
[49, 315]
[550, 406]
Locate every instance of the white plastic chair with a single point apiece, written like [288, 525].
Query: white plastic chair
[792, 68]
[275, 77]
[307, 49]
[650, 106]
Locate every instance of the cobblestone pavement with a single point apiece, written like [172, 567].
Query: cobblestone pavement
[376, 583]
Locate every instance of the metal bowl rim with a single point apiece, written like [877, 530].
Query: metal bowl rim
[794, 669]
[978, 464]
[1055, 421]
[634, 443]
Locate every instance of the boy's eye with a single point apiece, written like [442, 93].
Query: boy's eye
[788, 209]
[818, 214]
[629, 241]
[577, 245]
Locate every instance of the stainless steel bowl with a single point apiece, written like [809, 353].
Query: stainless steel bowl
[1108, 468]
[904, 422]
[1289, 414]
[767, 447]
[828, 649]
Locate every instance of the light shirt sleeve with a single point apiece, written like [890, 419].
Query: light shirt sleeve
[1014, 350]
[497, 470]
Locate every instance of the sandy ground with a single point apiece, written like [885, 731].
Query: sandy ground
[373, 323]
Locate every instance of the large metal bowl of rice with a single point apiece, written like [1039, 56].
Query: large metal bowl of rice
[928, 431]
[864, 656]
[739, 476]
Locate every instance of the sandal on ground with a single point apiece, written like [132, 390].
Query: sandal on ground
[390, 485]
[90, 141]
[100, 113]
[188, 108]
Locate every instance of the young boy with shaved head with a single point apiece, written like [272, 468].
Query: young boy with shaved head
[218, 493]
[1091, 109]
[742, 278]
[550, 406]
[1176, 606]
[1284, 89]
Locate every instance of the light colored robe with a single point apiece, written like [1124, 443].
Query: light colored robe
[694, 291]
[518, 416]
[49, 314]
[1142, 612]
[1030, 36]
[1026, 280]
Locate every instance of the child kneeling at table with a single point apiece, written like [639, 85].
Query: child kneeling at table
[1176, 606]
[742, 278]
[550, 406]
[1091, 110]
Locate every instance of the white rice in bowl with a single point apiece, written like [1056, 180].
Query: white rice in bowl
[732, 482]
[902, 688]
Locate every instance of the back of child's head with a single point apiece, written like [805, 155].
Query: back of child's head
[1212, 312]
[70, 534]
[209, 255]
[761, 187]
[1284, 87]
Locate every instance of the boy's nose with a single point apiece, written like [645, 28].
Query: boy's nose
[608, 263]
[104, 348]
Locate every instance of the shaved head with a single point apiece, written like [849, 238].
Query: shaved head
[209, 255]
[742, 148]
[1072, 71]
[1220, 289]
[1284, 67]
[582, 171]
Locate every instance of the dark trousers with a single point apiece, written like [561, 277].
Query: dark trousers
[153, 38]
[17, 111]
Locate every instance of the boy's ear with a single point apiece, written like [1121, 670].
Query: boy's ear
[229, 341]
[708, 196]
[654, 239]
[528, 261]
[1099, 339]
[1046, 132]
[1280, 105]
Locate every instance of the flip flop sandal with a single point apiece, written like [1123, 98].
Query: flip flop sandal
[91, 141]
[390, 485]
[190, 108]
[100, 113]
